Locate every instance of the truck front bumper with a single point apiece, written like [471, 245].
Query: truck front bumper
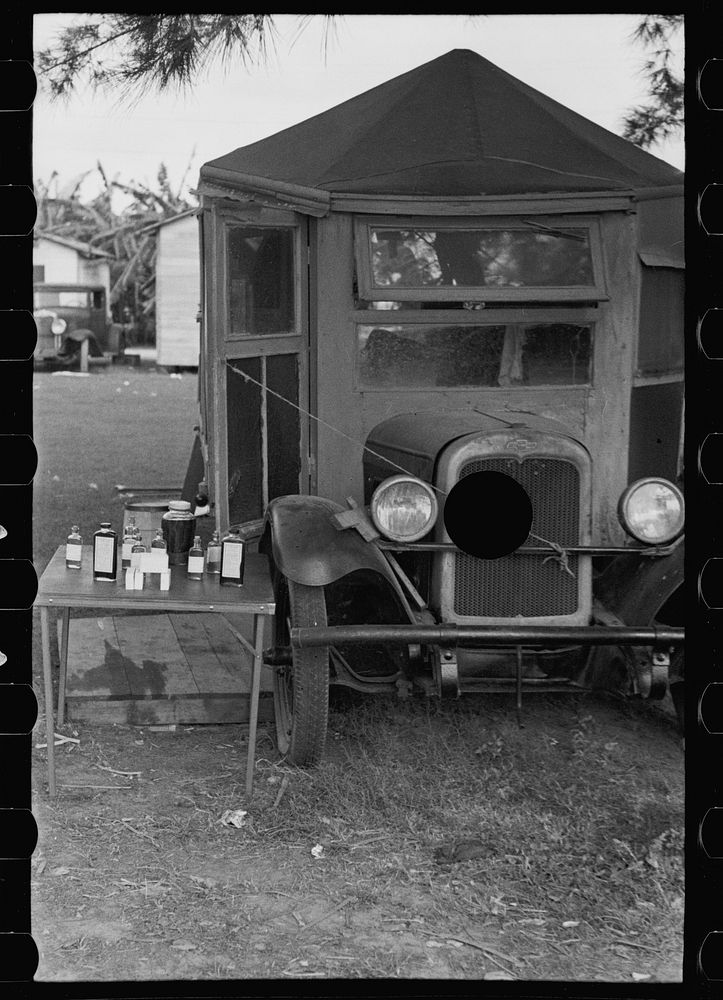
[485, 635]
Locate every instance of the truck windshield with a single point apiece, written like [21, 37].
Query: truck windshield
[411, 355]
[535, 256]
[76, 299]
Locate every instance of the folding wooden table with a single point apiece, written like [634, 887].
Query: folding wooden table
[63, 588]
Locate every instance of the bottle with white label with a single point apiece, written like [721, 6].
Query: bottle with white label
[129, 537]
[213, 554]
[233, 557]
[74, 548]
[105, 553]
[159, 542]
[195, 560]
[137, 550]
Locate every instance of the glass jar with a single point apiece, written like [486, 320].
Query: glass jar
[179, 530]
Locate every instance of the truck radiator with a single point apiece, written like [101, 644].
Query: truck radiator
[530, 586]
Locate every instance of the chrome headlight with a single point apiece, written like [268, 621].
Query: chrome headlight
[403, 508]
[652, 511]
[58, 325]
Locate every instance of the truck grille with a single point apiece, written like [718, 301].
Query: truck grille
[527, 586]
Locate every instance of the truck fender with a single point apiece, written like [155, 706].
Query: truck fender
[360, 587]
[306, 547]
[636, 587]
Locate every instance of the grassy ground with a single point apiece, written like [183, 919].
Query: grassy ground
[434, 841]
[123, 425]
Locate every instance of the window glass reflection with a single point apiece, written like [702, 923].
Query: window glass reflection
[514, 258]
[456, 356]
[261, 280]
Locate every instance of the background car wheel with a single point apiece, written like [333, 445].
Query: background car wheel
[301, 690]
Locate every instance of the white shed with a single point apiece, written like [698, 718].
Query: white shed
[178, 293]
[60, 260]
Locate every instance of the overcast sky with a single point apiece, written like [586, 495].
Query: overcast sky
[587, 62]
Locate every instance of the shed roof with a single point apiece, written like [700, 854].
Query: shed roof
[84, 249]
[162, 223]
[457, 126]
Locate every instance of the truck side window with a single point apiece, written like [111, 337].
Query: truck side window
[660, 347]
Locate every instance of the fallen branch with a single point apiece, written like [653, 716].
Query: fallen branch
[58, 741]
[633, 944]
[127, 774]
[140, 833]
[339, 906]
[280, 795]
[72, 785]
[488, 949]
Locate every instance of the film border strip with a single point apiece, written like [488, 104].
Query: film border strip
[703, 960]
[18, 461]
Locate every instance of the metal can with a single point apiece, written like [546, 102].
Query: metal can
[179, 528]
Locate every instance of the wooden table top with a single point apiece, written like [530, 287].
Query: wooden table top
[76, 588]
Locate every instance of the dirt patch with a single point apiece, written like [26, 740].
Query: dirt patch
[453, 844]
[340, 872]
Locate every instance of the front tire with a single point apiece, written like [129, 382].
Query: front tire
[301, 690]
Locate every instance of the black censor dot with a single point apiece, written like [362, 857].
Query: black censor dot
[488, 514]
[710, 833]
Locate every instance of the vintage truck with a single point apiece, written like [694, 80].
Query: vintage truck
[70, 317]
[442, 383]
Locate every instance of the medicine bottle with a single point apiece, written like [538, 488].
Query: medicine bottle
[233, 557]
[213, 554]
[195, 560]
[128, 539]
[105, 553]
[74, 548]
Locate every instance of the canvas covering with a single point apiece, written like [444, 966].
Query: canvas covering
[457, 126]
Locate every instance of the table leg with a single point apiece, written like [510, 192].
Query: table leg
[65, 627]
[48, 679]
[254, 704]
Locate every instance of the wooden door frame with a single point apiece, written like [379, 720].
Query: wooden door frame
[219, 215]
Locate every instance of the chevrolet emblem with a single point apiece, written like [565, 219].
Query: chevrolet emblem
[520, 445]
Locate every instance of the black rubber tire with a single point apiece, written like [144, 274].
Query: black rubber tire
[301, 691]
